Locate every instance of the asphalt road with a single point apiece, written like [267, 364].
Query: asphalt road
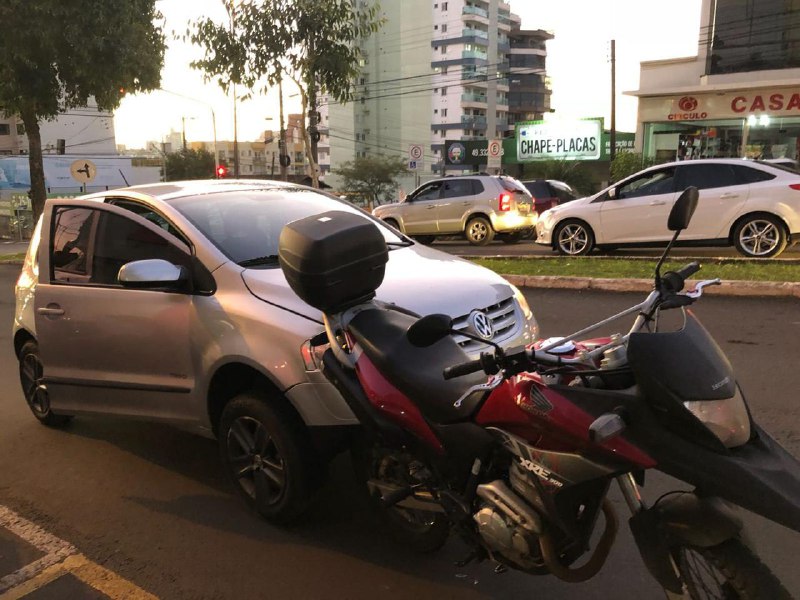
[151, 504]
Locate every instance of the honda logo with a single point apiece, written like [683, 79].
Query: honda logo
[481, 324]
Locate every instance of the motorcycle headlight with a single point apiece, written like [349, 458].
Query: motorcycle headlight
[727, 419]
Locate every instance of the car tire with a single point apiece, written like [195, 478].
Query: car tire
[425, 240]
[760, 236]
[268, 456]
[479, 231]
[573, 238]
[31, 376]
[392, 223]
[510, 238]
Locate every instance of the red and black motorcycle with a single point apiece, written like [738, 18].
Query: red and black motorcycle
[516, 450]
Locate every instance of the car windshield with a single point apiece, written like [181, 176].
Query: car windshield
[246, 224]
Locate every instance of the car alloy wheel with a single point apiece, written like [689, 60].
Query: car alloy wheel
[760, 237]
[255, 457]
[574, 239]
[479, 231]
[34, 388]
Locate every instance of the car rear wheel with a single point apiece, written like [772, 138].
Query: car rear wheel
[426, 240]
[760, 236]
[31, 376]
[574, 238]
[268, 456]
[479, 231]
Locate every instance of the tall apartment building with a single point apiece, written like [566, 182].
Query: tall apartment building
[738, 97]
[435, 71]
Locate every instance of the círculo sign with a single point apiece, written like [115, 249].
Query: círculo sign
[565, 140]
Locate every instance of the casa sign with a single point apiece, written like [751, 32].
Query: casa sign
[700, 107]
[565, 140]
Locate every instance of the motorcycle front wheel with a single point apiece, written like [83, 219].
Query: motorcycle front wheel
[419, 530]
[728, 571]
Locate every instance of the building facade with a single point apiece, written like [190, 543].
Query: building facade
[436, 71]
[739, 97]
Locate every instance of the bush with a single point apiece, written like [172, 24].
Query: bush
[628, 163]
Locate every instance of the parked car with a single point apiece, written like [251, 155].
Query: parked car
[477, 206]
[166, 302]
[548, 193]
[753, 206]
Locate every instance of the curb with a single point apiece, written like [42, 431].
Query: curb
[728, 287]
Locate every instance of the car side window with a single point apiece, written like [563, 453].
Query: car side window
[148, 213]
[661, 181]
[90, 246]
[751, 175]
[477, 186]
[428, 192]
[457, 188]
[708, 176]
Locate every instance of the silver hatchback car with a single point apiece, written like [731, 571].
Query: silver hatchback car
[166, 302]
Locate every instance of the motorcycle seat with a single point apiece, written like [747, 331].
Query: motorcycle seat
[416, 372]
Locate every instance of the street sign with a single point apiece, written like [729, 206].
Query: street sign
[415, 157]
[493, 152]
[83, 170]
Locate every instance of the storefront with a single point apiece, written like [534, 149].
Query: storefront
[756, 123]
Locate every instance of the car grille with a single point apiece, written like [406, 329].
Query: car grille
[504, 321]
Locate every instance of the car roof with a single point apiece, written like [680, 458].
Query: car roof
[178, 189]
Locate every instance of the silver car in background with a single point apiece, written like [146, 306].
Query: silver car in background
[166, 302]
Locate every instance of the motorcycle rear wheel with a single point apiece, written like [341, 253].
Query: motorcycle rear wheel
[419, 530]
[728, 571]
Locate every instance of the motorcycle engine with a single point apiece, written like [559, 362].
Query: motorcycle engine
[502, 533]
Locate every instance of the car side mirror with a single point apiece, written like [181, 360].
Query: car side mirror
[429, 329]
[683, 209]
[152, 273]
[612, 193]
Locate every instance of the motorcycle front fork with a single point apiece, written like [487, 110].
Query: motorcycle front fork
[633, 498]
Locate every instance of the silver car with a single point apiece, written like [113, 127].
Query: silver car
[166, 302]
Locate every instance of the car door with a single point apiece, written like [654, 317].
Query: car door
[639, 209]
[722, 195]
[458, 196]
[419, 209]
[106, 348]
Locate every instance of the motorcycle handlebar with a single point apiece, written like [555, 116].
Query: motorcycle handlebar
[673, 281]
[689, 270]
[472, 366]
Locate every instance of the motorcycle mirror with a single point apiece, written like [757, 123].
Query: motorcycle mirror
[683, 209]
[429, 329]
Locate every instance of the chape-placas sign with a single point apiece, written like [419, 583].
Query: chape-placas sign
[565, 140]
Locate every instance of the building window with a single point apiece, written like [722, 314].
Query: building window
[5, 129]
[444, 112]
[435, 27]
[436, 48]
[444, 28]
[444, 91]
[444, 49]
[436, 111]
[444, 6]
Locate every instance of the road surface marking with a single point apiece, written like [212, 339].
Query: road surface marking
[60, 558]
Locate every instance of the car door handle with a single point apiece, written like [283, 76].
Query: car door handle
[657, 202]
[728, 195]
[51, 311]
[431, 207]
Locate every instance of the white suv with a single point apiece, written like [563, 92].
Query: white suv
[477, 206]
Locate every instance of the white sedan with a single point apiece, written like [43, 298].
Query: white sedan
[754, 206]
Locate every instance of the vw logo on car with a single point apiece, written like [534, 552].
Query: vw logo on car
[481, 324]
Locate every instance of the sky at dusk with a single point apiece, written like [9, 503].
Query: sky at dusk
[577, 64]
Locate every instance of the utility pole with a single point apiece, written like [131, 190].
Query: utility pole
[612, 151]
[231, 8]
[183, 131]
[283, 156]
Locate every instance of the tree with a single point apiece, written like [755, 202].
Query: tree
[189, 164]
[573, 172]
[55, 55]
[312, 42]
[628, 163]
[372, 177]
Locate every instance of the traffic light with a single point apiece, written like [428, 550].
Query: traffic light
[222, 172]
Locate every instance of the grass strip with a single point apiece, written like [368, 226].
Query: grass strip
[18, 257]
[620, 268]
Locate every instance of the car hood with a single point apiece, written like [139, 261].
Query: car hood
[418, 278]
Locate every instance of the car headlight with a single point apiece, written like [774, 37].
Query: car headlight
[727, 419]
[526, 311]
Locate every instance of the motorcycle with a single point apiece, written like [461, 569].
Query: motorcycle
[516, 450]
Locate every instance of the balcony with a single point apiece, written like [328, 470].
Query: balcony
[473, 98]
[473, 122]
[474, 54]
[474, 10]
[471, 31]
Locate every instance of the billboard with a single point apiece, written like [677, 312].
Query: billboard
[560, 140]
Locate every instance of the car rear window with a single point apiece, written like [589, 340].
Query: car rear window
[538, 189]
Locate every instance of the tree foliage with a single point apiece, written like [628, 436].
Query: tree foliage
[573, 172]
[55, 55]
[189, 164]
[628, 163]
[312, 42]
[371, 177]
